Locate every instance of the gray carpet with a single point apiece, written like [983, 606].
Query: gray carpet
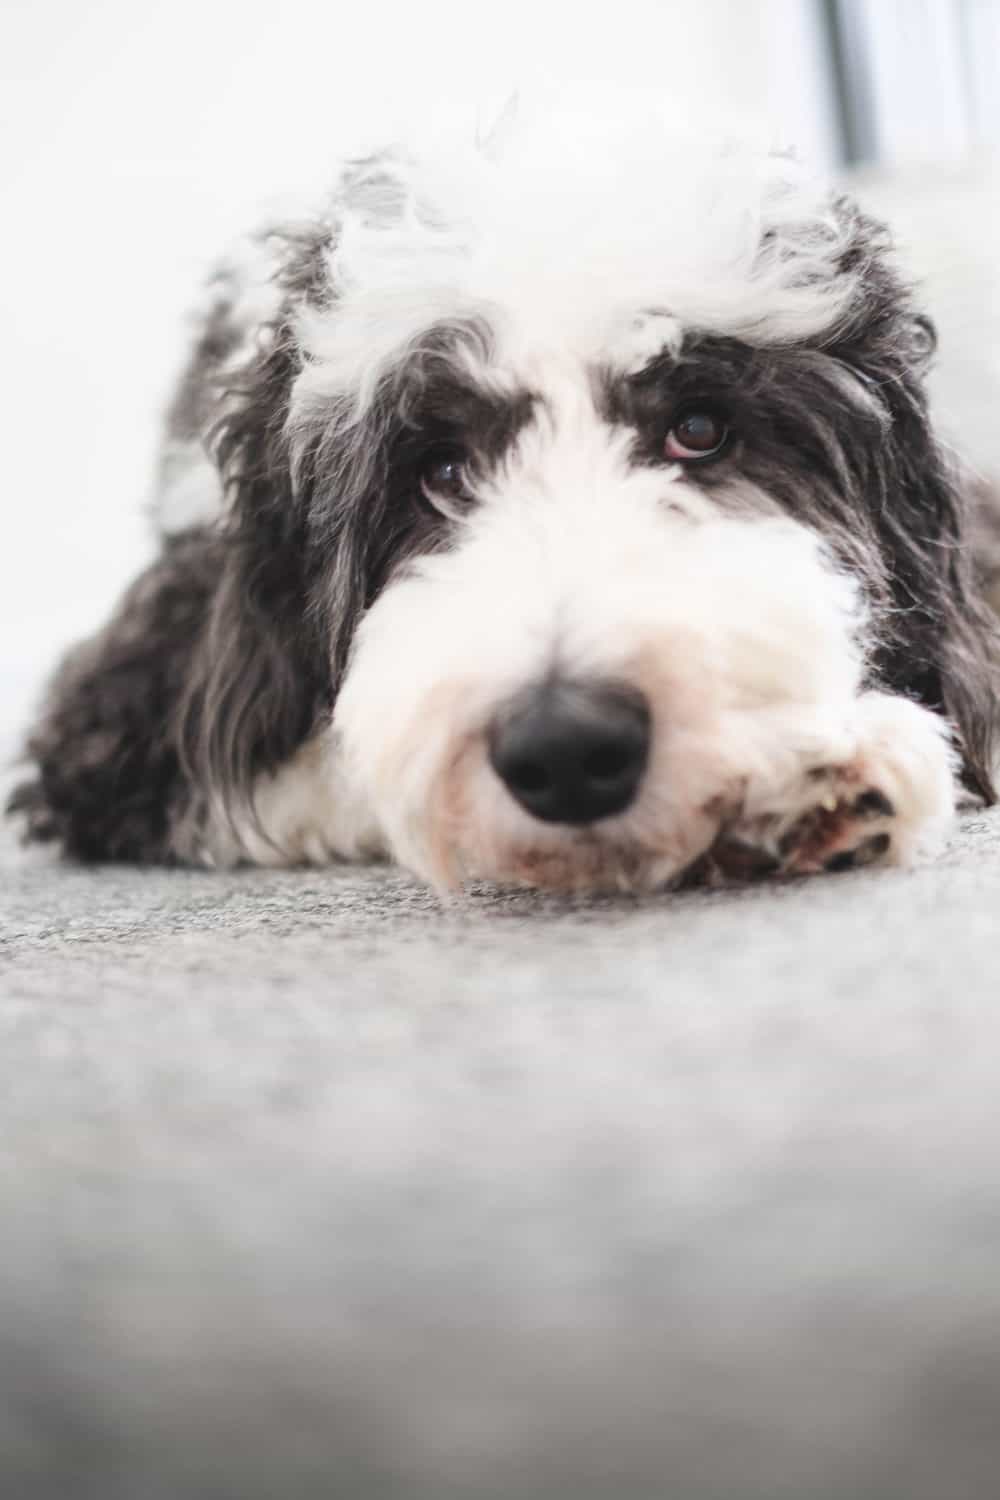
[313, 1188]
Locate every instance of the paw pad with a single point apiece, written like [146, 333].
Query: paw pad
[873, 804]
[865, 854]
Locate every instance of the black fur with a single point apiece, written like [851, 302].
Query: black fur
[259, 679]
[365, 514]
[214, 667]
[109, 783]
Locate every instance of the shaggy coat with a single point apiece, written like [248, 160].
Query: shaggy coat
[428, 452]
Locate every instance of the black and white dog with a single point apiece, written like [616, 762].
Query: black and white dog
[564, 513]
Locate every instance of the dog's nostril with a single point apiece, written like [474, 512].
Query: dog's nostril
[605, 764]
[527, 776]
[572, 752]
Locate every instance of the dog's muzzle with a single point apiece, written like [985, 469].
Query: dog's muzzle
[572, 752]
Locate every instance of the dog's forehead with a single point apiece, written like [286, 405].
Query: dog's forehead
[595, 259]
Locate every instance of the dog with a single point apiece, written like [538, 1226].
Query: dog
[560, 511]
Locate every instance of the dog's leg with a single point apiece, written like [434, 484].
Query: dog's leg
[108, 779]
[887, 799]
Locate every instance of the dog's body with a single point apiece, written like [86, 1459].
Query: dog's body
[568, 516]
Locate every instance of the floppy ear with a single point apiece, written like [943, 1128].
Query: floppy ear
[216, 664]
[308, 538]
[259, 679]
[940, 643]
[943, 645]
[969, 650]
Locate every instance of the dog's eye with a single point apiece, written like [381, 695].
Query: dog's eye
[697, 433]
[444, 476]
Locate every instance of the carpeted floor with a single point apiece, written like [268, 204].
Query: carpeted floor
[312, 1188]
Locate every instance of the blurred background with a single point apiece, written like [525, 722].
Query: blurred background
[136, 139]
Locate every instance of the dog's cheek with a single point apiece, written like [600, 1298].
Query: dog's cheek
[407, 705]
[396, 757]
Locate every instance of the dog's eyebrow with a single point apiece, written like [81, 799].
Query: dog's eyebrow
[635, 398]
[712, 360]
[448, 386]
[720, 356]
[710, 363]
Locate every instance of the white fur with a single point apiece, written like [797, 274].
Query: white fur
[883, 743]
[308, 812]
[556, 245]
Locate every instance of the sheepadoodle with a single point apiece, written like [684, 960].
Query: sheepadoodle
[563, 511]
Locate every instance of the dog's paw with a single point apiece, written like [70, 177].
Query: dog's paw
[842, 828]
[887, 800]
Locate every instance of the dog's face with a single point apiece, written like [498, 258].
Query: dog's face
[602, 472]
[563, 686]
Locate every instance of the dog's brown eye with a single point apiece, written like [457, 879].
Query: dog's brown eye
[697, 433]
[443, 476]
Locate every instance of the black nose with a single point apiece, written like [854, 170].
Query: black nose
[572, 752]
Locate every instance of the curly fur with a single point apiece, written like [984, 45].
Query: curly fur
[528, 304]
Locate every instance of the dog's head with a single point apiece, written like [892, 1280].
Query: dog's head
[559, 477]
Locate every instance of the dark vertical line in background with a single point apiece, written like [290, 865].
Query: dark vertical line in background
[851, 79]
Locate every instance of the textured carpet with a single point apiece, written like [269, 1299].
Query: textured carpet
[313, 1188]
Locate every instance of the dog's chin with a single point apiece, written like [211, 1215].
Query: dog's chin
[469, 830]
[579, 863]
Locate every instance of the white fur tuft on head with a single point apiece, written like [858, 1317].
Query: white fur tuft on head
[559, 236]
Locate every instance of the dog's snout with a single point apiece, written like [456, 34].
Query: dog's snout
[572, 752]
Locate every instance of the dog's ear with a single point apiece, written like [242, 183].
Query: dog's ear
[216, 665]
[940, 642]
[948, 645]
[969, 639]
[308, 535]
[259, 681]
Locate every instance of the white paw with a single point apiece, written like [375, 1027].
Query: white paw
[883, 794]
